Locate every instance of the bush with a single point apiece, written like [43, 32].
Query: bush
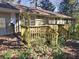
[7, 55]
[61, 41]
[25, 54]
[58, 54]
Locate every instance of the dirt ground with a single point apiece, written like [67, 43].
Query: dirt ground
[72, 49]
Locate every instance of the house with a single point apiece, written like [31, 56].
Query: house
[40, 17]
[7, 14]
[40, 22]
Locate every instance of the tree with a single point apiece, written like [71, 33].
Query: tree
[47, 5]
[64, 7]
[67, 6]
[71, 8]
[34, 3]
[19, 1]
[72, 1]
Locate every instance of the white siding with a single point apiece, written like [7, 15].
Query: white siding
[61, 21]
[39, 22]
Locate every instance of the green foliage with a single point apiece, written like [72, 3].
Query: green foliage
[58, 55]
[77, 27]
[7, 55]
[77, 16]
[61, 41]
[72, 1]
[74, 32]
[25, 54]
[67, 7]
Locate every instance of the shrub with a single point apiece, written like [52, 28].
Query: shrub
[25, 54]
[58, 54]
[61, 41]
[7, 55]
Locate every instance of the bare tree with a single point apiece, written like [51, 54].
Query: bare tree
[19, 1]
[34, 3]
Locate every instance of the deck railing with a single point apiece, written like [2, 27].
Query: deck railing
[43, 32]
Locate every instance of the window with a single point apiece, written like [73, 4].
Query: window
[32, 22]
[69, 21]
[39, 21]
[2, 23]
[25, 22]
[52, 21]
[61, 21]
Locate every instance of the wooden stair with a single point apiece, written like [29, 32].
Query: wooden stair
[12, 41]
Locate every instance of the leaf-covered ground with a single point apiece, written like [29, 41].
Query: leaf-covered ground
[71, 50]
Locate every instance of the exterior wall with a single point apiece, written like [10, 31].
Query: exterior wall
[7, 10]
[40, 20]
[6, 29]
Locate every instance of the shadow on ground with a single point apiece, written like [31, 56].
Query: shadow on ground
[12, 41]
[72, 49]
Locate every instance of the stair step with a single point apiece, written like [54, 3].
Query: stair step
[17, 47]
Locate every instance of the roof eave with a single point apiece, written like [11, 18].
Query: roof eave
[9, 10]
